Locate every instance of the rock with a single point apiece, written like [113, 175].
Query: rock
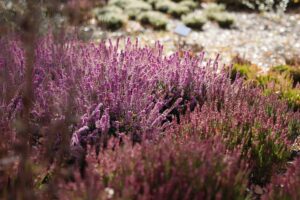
[258, 190]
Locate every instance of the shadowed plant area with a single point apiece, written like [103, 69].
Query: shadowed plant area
[118, 119]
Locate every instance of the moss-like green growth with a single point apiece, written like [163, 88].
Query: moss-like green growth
[134, 8]
[194, 20]
[154, 19]
[278, 80]
[293, 72]
[244, 70]
[293, 98]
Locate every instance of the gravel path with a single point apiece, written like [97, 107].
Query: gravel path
[263, 39]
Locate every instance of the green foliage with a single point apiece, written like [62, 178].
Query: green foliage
[245, 70]
[280, 80]
[194, 20]
[217, 12]
[164, 6]
[134, 8]
[214, 8]
[107, 9]
[154, 19]
[188, 3]
[292, 71]
[178, 10]
[112, 21]
[225, 20]
[120, 3]
[293, 98]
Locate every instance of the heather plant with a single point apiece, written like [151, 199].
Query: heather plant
[285, 185]
[292, 71]
[139, 88]
[263, 133]
[178, 167]
[124, 101]
[281, 80]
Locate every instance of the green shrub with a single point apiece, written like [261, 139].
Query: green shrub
[213, 7]
[293, 72]
[154, 19]
[134, 8]
[194, 20]
[164, 6]
[293, 98]
[247, 71]
[152, 2]
[225, 20]
[188, 3]
[175, 9]
[121, 3]
[107, 9]
[178, 10]
[277, 80]
[112, 21]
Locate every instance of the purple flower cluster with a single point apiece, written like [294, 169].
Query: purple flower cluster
[286, 185]
[158, 124]
[176, 168]
[134, 91]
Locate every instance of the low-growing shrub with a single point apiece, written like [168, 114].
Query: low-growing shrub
[178, 167]
[260, 5]
[285, 185]
[189, 3]
[178, 10]
[245, 70]
[213, 7]
[112, 21]
[133, 9]
[278, 80]
[154, 19]
[293, 72]
[224, 20]
[164, 6]
[167, 123]
[262, 133]
[194, 20]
